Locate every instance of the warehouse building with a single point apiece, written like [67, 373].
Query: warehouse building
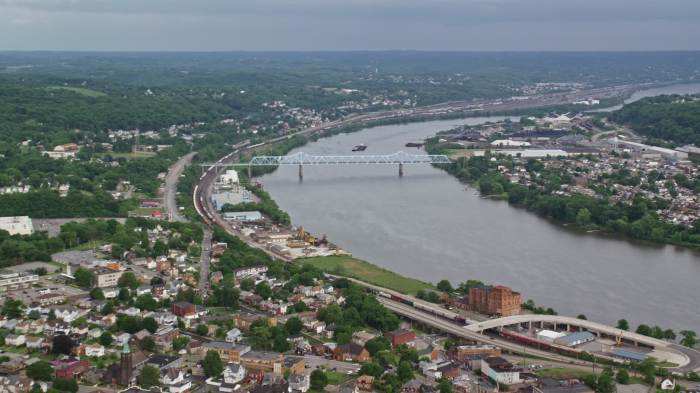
[574, 339]
[243, 216]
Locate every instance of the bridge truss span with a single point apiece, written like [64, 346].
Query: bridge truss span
[301, 159]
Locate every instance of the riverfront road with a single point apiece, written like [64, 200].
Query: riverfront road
[171, 180]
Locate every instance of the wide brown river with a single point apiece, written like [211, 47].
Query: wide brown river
[429, 226]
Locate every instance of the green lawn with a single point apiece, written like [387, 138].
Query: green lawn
[79, 90]
[365, 271]
[562, 373]
[336, 378]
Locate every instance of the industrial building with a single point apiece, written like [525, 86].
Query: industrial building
[574, 339]
[500, 370]
[17, 225]
[220, 199]
[498, 300]
[549, 335]
[243, 216]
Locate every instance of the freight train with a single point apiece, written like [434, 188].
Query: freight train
[433, 310]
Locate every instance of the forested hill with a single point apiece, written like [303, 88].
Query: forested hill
[672, 118]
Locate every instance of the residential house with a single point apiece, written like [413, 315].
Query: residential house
[351, 352]
[15, 340]
[94, 350]
[399, 337]
[234, 373]
[299, 382]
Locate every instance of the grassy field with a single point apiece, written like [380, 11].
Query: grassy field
[365, 271]
[336, 378]
[561, 373]
[79, 90]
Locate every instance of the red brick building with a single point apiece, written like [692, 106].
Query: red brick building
[350, 353]
[183, 309]
[398, 337]
[70, 368]
[498, 300]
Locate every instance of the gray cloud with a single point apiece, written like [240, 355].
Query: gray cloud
[349, 24]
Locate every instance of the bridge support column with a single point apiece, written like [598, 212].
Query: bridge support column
[250, 172]
[400, 169]
[529, 326]
[301, 172]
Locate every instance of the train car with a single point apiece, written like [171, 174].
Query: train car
[403, 300]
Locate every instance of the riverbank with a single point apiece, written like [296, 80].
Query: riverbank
[347, 266]
[637, 220]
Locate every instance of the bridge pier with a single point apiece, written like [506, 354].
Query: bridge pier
[250, 172]
[400, 169]
[301, 172]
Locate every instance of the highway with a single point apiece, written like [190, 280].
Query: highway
[459, 331]
[171, 180]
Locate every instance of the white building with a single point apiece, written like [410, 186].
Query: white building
[11, 281]
[234, 373]
[94, 350]
[233, 335]
[509, 143]
[17, 225]
[15, 340]
[230, 177]
[301, 383]
[107, 278]
[500, 370]
[549, 335]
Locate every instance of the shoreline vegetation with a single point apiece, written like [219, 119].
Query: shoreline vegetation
[637, 221]
[351, 267]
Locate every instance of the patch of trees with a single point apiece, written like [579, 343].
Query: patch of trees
[637, 219]
[673, 118]
[359, 311]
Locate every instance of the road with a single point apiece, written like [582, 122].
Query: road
[204, 261]
[171, 180]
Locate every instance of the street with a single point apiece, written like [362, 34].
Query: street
[171, 180]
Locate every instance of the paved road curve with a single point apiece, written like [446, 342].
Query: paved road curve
[171, 187]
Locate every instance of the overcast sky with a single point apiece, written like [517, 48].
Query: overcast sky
[349, 24]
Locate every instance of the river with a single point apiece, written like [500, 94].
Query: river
[429, 226]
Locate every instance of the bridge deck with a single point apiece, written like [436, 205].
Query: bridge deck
[307, 159]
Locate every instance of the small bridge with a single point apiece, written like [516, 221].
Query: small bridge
[301, 159]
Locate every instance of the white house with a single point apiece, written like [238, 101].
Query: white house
[301, 383]
[94, 350]
[668, 384]
[15, 340]
[123, 339]
[34, 342]
[110, 293]
[234, 373]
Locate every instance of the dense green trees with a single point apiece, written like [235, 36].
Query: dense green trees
[319, 380]
[212, 364]
[638, 220]
[149, 376]
[40, 371]
[671, 118]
